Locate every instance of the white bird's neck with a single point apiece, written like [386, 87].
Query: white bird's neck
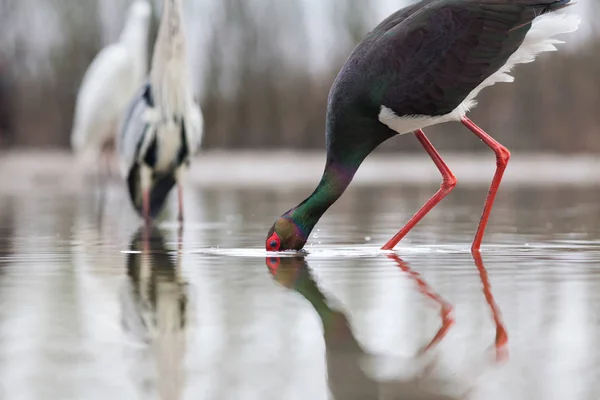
[169, 75]
[135, 37]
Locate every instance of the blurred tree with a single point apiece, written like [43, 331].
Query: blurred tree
[252, 72]
[50, 99]
[354, 19]
[6, 129]
[262, 89]
[82, 27]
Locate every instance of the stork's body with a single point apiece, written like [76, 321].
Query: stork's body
[422, 66]
[163, 127]
[109, 84]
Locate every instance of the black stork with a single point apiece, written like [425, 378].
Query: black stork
[424, 65]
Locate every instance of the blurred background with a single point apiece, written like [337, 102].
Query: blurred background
[271, 64]
[201, 314]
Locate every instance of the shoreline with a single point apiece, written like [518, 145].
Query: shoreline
[27, 169]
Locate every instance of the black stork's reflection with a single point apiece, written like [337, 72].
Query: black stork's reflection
[155, 308]
[348, 362]
[346, 358]
[501, 341]
[501, 335]
[445, 307]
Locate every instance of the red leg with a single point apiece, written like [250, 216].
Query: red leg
[446, 308]
[449, 182]
[501, 335]
[502, 157]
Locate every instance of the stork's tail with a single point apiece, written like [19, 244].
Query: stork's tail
[159, 191]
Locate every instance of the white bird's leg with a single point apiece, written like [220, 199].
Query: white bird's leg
[179, 176]
[145, 183]
[103, 182]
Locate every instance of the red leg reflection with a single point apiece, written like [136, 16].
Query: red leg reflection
[180, 198]
[180, 239]
[448, 183]
[146, 205]
[146, 244]
[501, 335]
[446, 308]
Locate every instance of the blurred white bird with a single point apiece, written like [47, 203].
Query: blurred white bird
[109, 84]
[163, 126]
[156, 309]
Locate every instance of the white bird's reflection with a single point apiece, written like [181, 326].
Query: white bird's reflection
[155, 309]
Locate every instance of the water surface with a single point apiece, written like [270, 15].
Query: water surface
[91, 310]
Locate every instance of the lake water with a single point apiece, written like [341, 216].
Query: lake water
[91, 310]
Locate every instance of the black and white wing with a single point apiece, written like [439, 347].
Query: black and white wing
[137, 130]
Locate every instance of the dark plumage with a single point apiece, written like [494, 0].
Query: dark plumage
[421, 66]
[423, 60]
[161, 187]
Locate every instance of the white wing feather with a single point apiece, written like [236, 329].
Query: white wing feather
[136, 131]
[194, 127]
[106, 89]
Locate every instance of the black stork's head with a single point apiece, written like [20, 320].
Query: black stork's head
[285, 234]
[292, 230]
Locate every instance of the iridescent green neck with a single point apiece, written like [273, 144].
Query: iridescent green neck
[336, 325]
[307, 287]
[334, 182]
